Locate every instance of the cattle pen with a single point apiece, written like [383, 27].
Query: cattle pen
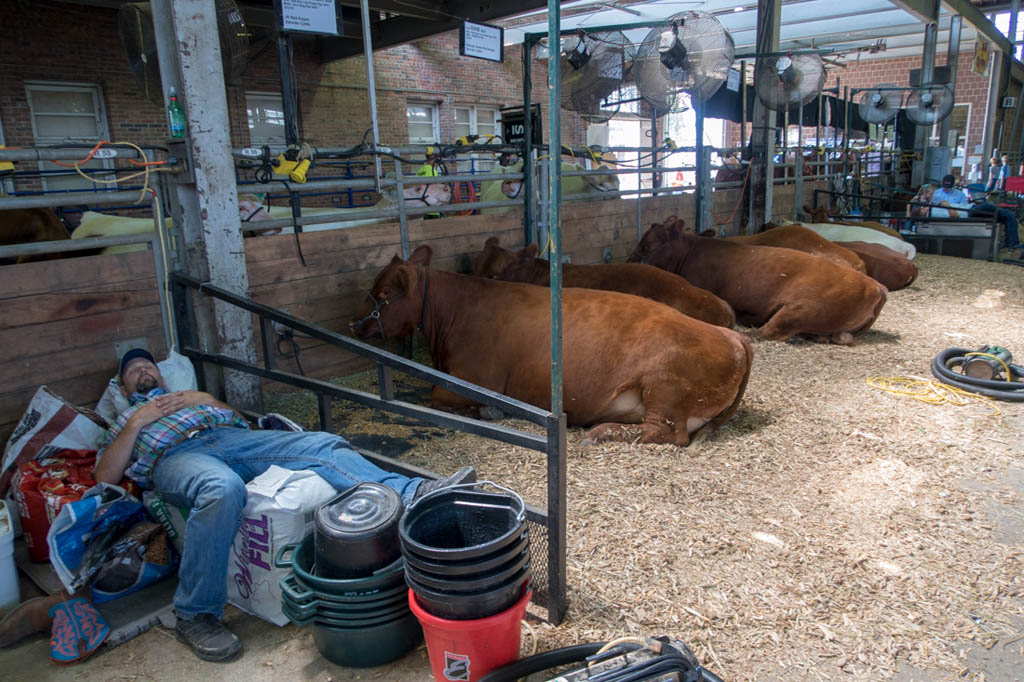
[845, 523]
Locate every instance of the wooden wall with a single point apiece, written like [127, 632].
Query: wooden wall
[60, 321]
[61, 318]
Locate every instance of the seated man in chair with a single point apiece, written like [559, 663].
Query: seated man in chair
[198, 453]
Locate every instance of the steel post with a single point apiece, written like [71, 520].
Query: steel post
[927, 76]
[403, 218]
[371, 84]
[762, 136]
[952, 61]
[528, 217]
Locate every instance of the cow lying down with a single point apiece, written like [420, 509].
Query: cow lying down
[629, 361]
[627, 278]
[782, 292]
[800, 238]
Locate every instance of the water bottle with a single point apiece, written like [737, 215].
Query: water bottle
[175, 116]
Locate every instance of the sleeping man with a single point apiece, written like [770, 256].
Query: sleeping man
[198, 453]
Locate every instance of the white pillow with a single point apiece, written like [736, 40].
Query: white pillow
[178, 374]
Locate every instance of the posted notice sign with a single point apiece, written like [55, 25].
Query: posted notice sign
[482, 41]
[309, 16]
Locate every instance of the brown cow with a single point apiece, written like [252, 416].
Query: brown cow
[800, 238]
[627, 278]
[26, 225]
[629, 360]
[884, 265]
[493, 259]
[781, 291]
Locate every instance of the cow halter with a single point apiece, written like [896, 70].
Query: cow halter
[378, 304]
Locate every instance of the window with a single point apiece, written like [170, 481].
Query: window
[64, 113]
[479, 121]
[266, 118]
[423, 123]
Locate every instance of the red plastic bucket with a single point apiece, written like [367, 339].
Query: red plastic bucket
[466, 650]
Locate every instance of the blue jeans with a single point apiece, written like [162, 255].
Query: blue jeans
[207, 475]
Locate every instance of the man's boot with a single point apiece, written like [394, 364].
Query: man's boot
[28, 618]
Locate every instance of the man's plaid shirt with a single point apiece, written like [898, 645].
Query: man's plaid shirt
[163, 433]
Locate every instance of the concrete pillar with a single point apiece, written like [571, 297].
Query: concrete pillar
[921, 133]
[762, 135]
[207, 200]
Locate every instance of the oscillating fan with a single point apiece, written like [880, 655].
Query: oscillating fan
[593, 68]
[692, 54]
[786, 81]
[135, 25]
[880, 105]
[930, 104]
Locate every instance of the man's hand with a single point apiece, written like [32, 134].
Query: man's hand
[160, 407]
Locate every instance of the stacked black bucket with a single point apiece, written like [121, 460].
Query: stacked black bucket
[466, 551]
[348, 580]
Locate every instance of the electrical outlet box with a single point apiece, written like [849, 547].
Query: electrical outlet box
[122, 347]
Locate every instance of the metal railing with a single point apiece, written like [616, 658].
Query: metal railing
[550, 592]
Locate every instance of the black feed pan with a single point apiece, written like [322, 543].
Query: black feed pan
[368, 646]
[301, 562]
[468, 567]
[458, 524]
[299, 592]
[351, 609]
[482, 582]
[341, 619]
[470, 606]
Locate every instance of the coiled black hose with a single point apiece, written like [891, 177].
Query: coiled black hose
[1012, 391]
[564, 656]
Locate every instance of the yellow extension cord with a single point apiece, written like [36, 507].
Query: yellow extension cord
[931, 392]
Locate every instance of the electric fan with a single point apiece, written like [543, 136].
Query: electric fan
[691, 54]
[790, 80]
[135, 26]
[593, 68]
[880, 105]
[930, 104]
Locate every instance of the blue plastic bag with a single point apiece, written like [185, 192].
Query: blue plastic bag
[86, 529]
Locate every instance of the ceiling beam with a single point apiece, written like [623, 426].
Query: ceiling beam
[925, 10]
[977, 19]
[398, 30]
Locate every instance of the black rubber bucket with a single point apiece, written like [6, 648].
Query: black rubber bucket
[458, 524]
[473, 605]
[300, 607]
[343, 618]
[478, 582]
[471, 567]
[366, 647]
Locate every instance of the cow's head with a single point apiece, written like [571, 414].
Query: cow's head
[520, 269]
[652, 248]
[492, 260]
[394, 304]
[818, 215]
[605, 182]
[252, 210]
[432, 194]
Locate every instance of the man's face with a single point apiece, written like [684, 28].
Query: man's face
[140, 376]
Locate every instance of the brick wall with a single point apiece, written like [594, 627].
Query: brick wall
[81, 45]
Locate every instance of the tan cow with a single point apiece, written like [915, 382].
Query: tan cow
[781, 291]
[627, 278]
[634, 369]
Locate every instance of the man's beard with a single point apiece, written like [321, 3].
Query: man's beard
[146, 384]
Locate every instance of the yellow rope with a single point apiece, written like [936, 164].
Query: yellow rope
[931, 392]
